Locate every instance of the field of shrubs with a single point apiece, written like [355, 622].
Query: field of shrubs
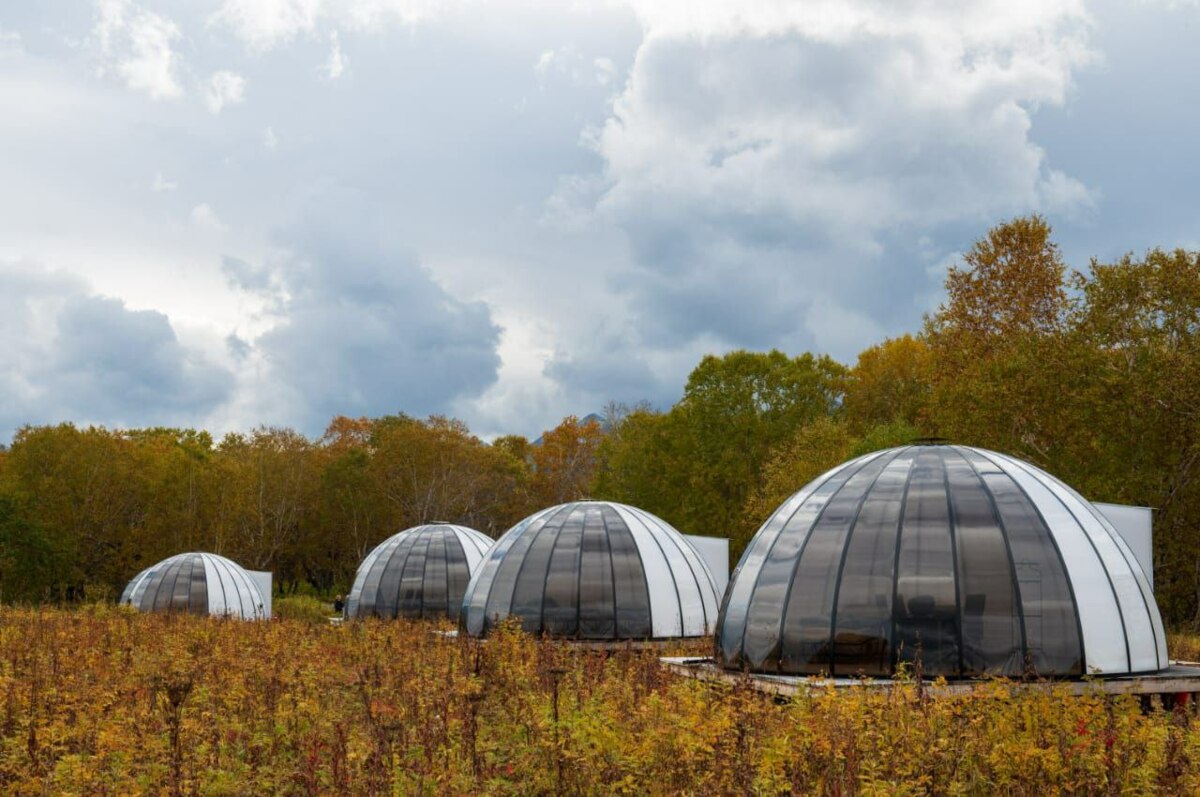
[101, 700]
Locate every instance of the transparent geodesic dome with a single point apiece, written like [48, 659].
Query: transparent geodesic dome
[971, 561]
[198, 583]
[594, 570]
[420, 572]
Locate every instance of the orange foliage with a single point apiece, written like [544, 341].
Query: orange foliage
[104, 701]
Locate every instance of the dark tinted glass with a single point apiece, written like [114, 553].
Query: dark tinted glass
[457, 575]
[597, 615]
[1051, 619]
[381, 591]
[412, 579]
[145, 601]
[500, 595]
[863, 634]
[991, 621]
[183, 586]
[198, 599]
[166, 589]
[433, 589]
[925, 607]
[764, 615]
[530, 589]
[560, 607]
[631, 593]
[808, 613]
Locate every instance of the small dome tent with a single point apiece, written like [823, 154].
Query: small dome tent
[972, 561]
[199, 583]
[420, 572]
[593, 570]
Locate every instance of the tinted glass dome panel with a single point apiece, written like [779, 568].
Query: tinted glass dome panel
[420, 572]
[594, 570]
[968, 560]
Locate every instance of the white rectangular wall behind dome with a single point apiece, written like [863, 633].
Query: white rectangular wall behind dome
[1134, 523]
[715, 553]
[262, 580]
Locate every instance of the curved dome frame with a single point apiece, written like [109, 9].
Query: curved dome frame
[197, 583]
[594, 570]
[973, 561]
[419, 572]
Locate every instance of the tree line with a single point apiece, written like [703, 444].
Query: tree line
[1091, 374]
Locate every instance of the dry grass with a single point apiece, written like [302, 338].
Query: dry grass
[103, 701]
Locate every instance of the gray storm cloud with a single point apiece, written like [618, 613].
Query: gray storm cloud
[70, 354]
[363, 328]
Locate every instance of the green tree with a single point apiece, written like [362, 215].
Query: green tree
[1137, 325]
[29, 563]
[697, 464]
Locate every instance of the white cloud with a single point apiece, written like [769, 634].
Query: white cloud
[606, 70]
[337, 63]
[569, 62]
[161, 184]
[264, 24]
[269, 139]
[203, 217]
[853, 115]
[136, 44]
[224, 88]
[10, 43]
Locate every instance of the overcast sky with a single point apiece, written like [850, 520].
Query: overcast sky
[240, 212]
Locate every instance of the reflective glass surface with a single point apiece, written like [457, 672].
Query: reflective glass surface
[764, 616]
[924, 609]
[560, 603]
[597, 607]
[530, 588]
[1048, 609]
[863, 633]
[421, 572]
[499, 595]
[806, 645]
[990, 608]
[632, 596]
[458, 575]
[933, 553]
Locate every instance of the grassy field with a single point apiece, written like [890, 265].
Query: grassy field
[104, 701]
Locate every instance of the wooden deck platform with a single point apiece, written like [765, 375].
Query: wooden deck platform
[1181, 678]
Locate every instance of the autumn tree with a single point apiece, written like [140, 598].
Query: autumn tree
[892, 381]
[437, 470]
[998, 341]
[268, 494]
[564, 464]
[352, 513]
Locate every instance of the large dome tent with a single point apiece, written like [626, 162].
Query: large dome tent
[197, 583]
[593, 570]
[970, 561]
[419, 572]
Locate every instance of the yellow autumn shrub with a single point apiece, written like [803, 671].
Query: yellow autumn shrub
[105, 701]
